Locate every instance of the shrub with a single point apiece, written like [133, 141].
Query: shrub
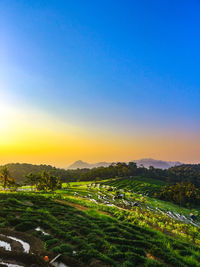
[56, 249]
[13, 202]
[51, 242]
[134, 258]
[153, 263]
[191, 261]
[66, 248]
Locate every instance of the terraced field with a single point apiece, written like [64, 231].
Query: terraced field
[87, 229]
[136, 184]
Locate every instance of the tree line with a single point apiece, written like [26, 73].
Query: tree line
[183, 194]
[183, 186]
[182, 173]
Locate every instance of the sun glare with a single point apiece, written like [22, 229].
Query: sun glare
[8, 118]
[5, 117]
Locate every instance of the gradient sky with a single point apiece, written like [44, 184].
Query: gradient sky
[99, 80]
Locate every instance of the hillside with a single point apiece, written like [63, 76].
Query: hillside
[136, 184]
[100, 223]
[19, 170]
[160, 164]
[88, 228]
[186, 172]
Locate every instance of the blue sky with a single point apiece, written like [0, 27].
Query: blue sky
[112, 66]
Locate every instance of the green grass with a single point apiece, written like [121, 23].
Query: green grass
[109, 231]
[89, 236]
[147, 214]
[142, 185]
[147, 187]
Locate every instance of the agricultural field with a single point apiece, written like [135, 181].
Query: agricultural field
[137, 184]
[92, 224]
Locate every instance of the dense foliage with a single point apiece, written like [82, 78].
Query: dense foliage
[5, 179]
[43, 181]
[185, 172]
[19, 170]
[184, 193]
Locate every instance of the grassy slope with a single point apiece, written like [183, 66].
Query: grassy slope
[92, 238]
[147, 187]
[137, 184]
[130, 236]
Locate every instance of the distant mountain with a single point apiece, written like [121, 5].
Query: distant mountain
[145, 162]
[160, 164]
[79, 164]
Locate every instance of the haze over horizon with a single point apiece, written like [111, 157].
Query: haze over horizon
[99, 81]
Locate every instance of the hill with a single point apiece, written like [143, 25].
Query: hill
[110, 223]
[101, 236]
[19, 170]
[144, 162]
[160, 164]
[79, 164]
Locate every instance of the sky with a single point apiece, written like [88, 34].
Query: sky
[99, 81]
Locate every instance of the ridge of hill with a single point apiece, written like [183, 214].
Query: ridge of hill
[147, 162]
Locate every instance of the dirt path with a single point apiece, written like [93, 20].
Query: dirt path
[79, 207]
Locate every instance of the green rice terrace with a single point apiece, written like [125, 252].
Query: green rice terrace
[148, 219]
[142, 185]
[95, 224]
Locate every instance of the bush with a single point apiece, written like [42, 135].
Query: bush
[14, 202]
[56, 249]
[51, 242]
[153, 263]
[66, 248]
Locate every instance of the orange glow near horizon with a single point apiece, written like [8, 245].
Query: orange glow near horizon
[25, 138]
[78, 83]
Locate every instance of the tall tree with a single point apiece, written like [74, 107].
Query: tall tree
[32, 179]
[5, 176]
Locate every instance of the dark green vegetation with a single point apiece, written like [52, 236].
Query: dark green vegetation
[19, 170]
[185, 172]
[43, 181]
[90, 238]
[6, 179]
[184, 194]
